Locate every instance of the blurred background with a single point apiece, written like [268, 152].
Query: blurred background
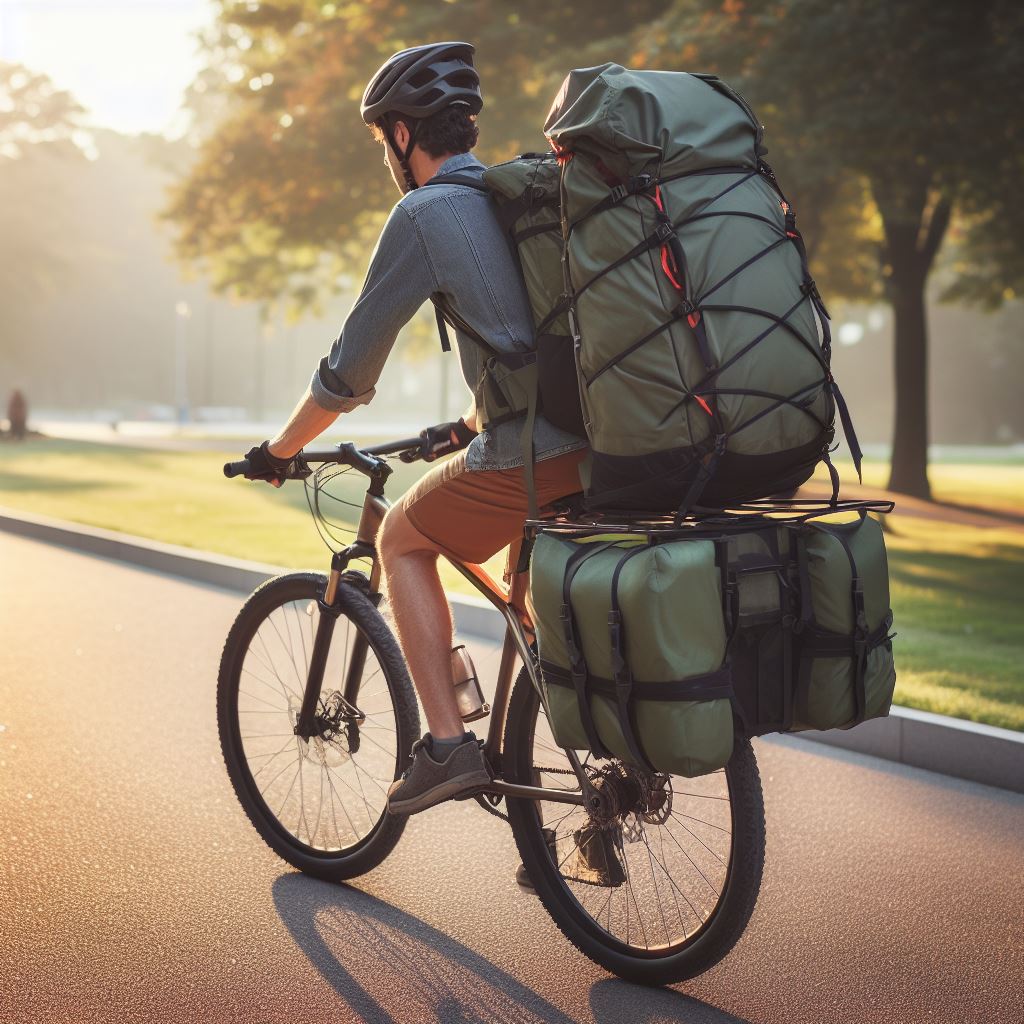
[188, 199]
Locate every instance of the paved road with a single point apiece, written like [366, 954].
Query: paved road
[134, 888]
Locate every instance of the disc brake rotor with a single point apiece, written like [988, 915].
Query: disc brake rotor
[328, 750]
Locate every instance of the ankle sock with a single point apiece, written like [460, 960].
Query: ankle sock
[442, 749]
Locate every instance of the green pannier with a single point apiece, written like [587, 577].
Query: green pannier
[632, 642]
[653, 648]
[846, 672]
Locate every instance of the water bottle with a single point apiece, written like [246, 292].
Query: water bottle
[468, 695]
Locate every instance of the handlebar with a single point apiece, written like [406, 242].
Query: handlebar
[367, 460]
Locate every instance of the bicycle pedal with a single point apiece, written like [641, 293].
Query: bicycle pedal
[597, 860]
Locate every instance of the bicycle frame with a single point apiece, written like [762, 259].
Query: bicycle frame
[509, 601]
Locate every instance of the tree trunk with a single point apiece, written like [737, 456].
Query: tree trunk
[908, 472]
[915, 225]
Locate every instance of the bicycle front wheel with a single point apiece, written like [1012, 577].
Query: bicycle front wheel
[658, 883]
[320, 803]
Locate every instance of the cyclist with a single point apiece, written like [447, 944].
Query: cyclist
[422, 106]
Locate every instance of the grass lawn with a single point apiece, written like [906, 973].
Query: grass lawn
[956, 590]
[184, 498]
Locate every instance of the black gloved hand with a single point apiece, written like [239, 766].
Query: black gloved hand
[267, 467]
[444, 439]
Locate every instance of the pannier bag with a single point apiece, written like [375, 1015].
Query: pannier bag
[846, 668]
[693, 311]
[812, 646]
[632, 642]
[654, 649]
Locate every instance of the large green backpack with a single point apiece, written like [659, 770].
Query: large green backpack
[694, 314]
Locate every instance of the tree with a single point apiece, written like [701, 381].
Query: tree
[908, 105]
[896, 123]
[39, 125]
[287, 190]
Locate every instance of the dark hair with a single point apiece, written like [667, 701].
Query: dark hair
[451, 130]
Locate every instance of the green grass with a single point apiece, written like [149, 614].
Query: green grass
[183, 498]
[956, 596]
[956, 590]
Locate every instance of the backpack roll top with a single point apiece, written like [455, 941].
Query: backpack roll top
[526, 191]
[632, 640]
[846, 672]
[703, 377]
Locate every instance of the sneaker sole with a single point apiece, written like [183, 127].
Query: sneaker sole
[453, 789]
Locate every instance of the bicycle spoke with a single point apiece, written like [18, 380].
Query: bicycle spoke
[313, 810]
[671, 881]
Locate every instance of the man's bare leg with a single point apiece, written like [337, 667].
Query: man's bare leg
[423, 619]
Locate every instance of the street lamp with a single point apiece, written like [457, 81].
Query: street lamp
[181, 315]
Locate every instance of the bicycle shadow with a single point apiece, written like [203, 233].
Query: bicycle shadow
[392, 968]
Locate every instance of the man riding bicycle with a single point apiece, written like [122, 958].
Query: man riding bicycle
[444, 241]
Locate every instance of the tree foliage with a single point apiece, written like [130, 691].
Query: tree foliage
[287, 189]
[897, 127]
[39, 124]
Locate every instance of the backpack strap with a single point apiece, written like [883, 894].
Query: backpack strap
[469, 180]
[441, 313]
[519, 388]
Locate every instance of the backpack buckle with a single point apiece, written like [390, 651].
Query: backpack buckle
[619, 192]
[664, 231]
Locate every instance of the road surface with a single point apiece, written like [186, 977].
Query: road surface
[134, 888]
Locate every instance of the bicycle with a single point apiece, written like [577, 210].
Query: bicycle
[654, 878]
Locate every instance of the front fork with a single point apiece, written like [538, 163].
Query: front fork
[306, 725]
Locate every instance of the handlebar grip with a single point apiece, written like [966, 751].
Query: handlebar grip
[232, 469]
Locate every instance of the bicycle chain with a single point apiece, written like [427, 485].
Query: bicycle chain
[490, 808]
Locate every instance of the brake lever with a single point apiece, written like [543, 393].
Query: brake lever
[299, 469]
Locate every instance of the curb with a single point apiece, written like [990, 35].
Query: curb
[920, 739]
[938, 743]
[472, 615]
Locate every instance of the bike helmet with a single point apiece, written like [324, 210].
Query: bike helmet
[419, 82]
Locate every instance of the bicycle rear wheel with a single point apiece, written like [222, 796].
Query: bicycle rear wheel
[321, 803]
[656, 886]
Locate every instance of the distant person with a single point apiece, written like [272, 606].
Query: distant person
[443, 238]
[17, 414]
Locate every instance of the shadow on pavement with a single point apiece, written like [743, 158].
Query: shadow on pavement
[613, 1001]
[392, 968]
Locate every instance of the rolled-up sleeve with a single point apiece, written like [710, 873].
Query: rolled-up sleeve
[399, 280]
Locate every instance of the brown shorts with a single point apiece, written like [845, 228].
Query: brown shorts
[472, 515]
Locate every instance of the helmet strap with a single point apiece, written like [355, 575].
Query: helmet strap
[403, 158]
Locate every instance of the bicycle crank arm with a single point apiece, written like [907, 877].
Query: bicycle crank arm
[555, 796]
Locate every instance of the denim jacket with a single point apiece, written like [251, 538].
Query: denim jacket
[440, 238]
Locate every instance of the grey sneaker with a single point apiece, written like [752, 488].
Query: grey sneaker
[427, 782]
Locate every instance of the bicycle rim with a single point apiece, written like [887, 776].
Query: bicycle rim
[646, 886]
[325, 796]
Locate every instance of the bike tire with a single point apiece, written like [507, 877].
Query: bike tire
[738, 897]
[358, 610]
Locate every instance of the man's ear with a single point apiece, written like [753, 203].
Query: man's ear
[400, 132]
